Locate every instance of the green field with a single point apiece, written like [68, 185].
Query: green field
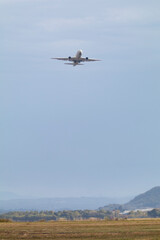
[122, 229]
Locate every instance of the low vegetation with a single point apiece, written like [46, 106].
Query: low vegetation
[103, 229]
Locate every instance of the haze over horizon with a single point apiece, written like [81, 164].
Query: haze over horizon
[91, 130]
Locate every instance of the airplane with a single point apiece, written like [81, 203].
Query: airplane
[77, 59]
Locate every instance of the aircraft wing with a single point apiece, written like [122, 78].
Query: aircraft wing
[65, 59]
[88, 60]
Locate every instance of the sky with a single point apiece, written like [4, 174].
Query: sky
[91, 130]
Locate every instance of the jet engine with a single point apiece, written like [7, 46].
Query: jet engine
[69, 58]
[86, 58]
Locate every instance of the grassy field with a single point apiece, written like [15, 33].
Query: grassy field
[122, 229]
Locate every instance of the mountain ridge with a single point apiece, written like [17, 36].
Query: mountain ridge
[148, 199]
[56, 204]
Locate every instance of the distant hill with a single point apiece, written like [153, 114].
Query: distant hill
[56, 204]
[149, 199]
[9, 195]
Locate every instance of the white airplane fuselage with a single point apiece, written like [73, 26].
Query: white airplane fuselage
[77, 60]
[79, 54]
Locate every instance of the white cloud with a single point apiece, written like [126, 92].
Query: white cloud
[131, 15]
[16, 1]
[67, 44]
[122, 15]
[108, 17]
[66, 23]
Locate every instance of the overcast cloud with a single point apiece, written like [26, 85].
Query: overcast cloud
[92, 130]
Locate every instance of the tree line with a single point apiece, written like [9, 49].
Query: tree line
[31, 216]
[51, 215]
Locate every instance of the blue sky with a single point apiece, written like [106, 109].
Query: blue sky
[91, 130]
